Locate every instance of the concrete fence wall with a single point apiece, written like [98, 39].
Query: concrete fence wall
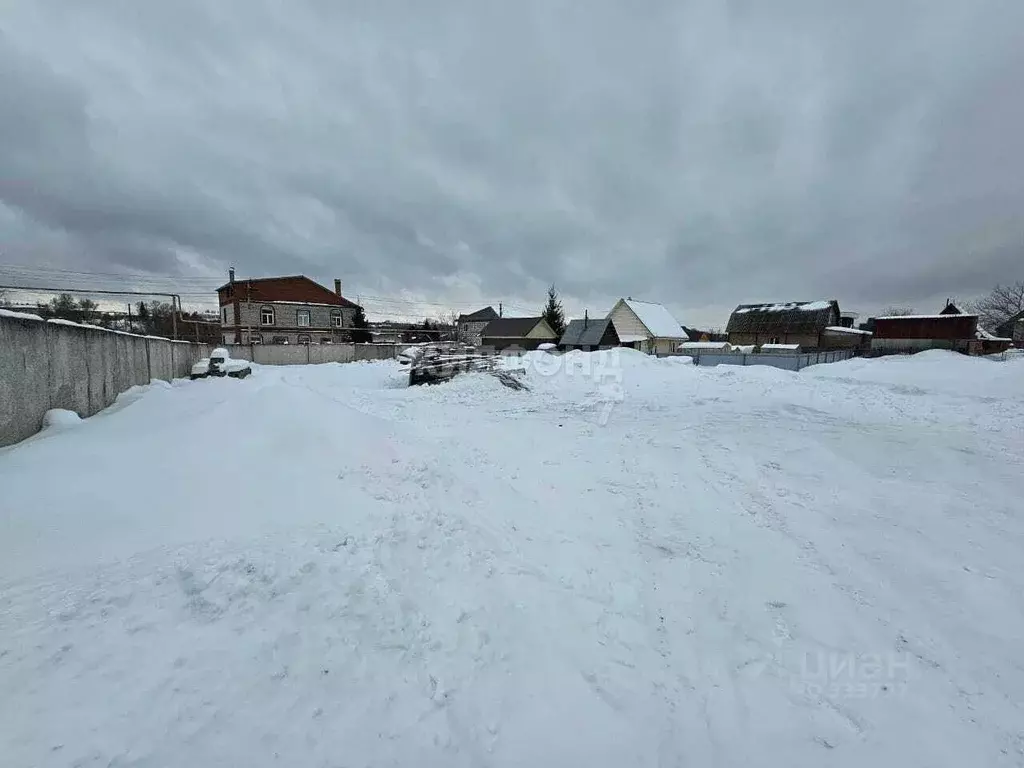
[55, 364]
[305, 354]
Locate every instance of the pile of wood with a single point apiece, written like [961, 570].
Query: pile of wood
[436, 363]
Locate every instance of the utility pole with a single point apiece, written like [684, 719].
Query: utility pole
[501, 310]
[129, 328]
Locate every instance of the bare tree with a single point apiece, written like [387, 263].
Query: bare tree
[4, 302]
[445, 324]
[1004, 302]
[897, 311]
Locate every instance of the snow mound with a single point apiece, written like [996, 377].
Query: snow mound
[57, 419]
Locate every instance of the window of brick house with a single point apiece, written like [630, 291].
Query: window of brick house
[337, 319]
[302, 318]
[224, 315]
[304, 338]
[279, 340]
[267, 316]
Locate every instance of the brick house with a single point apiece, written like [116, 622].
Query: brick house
[469, 327]
[283, 310]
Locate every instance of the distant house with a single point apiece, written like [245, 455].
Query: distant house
[1013, 328]
[796, 322]
[519, 332]
[283, 310]
[914, 333]
[646, 326]
[468, 327]
[589, 334]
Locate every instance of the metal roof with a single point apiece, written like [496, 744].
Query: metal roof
[509, 327]
[585, 333]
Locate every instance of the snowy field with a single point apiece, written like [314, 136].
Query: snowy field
[636, 563]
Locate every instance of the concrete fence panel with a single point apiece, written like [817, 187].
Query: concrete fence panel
[139, 356]
[332, 353]
[376, 351]
[184, 355]
[97, 371]
[160, 363]
[24, 375]
[68, 358]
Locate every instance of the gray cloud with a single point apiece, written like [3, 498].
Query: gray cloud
[698, 153]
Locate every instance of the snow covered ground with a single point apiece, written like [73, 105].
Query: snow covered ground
[638, 562]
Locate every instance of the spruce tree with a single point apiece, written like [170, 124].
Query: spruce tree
[553, 313]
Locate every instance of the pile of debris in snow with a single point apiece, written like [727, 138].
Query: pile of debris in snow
[436, 363]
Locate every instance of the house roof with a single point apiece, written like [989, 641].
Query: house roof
[656, 319]
[790, 317]
[585, 333]
[487, 313]
[291, 288]
[510, 327]
[951, 309]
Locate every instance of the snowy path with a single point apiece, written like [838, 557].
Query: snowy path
[318, 567]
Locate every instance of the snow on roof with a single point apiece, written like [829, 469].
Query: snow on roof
[18, 315]
[657, 319]
[803, 306]
[984, 335]
[629, 338]
[844, 329]
[924, 317]
[787, 347]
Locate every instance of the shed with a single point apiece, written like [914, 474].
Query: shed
[796, 322]
[845, 337]
[705, 346]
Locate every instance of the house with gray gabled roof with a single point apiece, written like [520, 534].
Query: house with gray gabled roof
[588, 334]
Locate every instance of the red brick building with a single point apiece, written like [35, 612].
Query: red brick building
[283, 310]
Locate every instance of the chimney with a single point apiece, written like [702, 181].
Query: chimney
[337, 286]
[231, 275]
[586, 318]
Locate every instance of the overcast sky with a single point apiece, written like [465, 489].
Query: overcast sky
[700, 154]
